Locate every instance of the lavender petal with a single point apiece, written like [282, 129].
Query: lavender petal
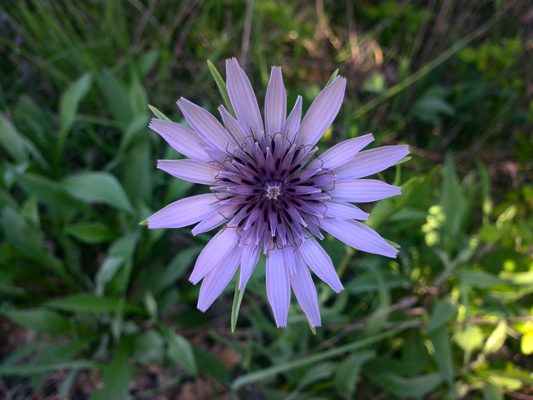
[206, 126]
[184, 212]
[358, 236]
[363, 190]
[341, 153]
[250, 256]
[342, 210]
[372, 161]
[217, 248]
[278, 287]
[190, 170]
[305, 291]
[320, 263]
[322, 112]
[182, 139]
[292, 125]
[275, 103]
[243, 98]
[217, 280]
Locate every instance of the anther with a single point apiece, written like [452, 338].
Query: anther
[295, 168]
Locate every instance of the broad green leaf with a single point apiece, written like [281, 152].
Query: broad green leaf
[91, 232]
[443, 353]
[148, 347]
[68, 106]
[60, 203]
[137, 96]
[379, 316]
[30, 241]
[98, 187]
[492, 392]
[59, 353]
[120, 252]
[179, 350]
[316, 373]
[117, 94]
[136, 171]
[210, 365]
[116, 375]
[40, 320]
[137, 125]
[221, 87]
[90, 303]
[469, 337]
[17, 145]
[345, 380]
[480, 279]
[496, 339]
[406, 387]
[442, 311]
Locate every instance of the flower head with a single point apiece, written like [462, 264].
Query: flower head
[268, 194]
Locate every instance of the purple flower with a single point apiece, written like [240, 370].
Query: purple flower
[267, 194]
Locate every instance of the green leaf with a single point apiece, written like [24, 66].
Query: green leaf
[158, 113]
[116, 375]
[98, 187]
[316, 373]
[120, 252]
[406, 387]
[496, 338]
[480, 279]
[345, 380]
[270, 372]
[453, 202]
[116, 93]
[492, 392]
[180, 350]
[40, 369]
[137, 96]
[16, 144]
[68, 106]
[469, 337]
[40, 320]
[442, 311]
[443, 353]
[148, 347]
[221, 87]
[237, 300]
[60, 203]
[90, 303]
[30, 241]
[91, 232]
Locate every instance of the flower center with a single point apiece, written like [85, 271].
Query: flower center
[273, 191]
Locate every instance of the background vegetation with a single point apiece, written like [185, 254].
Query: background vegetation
[92, 305]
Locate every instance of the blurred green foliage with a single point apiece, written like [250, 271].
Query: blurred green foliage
[95, 306]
